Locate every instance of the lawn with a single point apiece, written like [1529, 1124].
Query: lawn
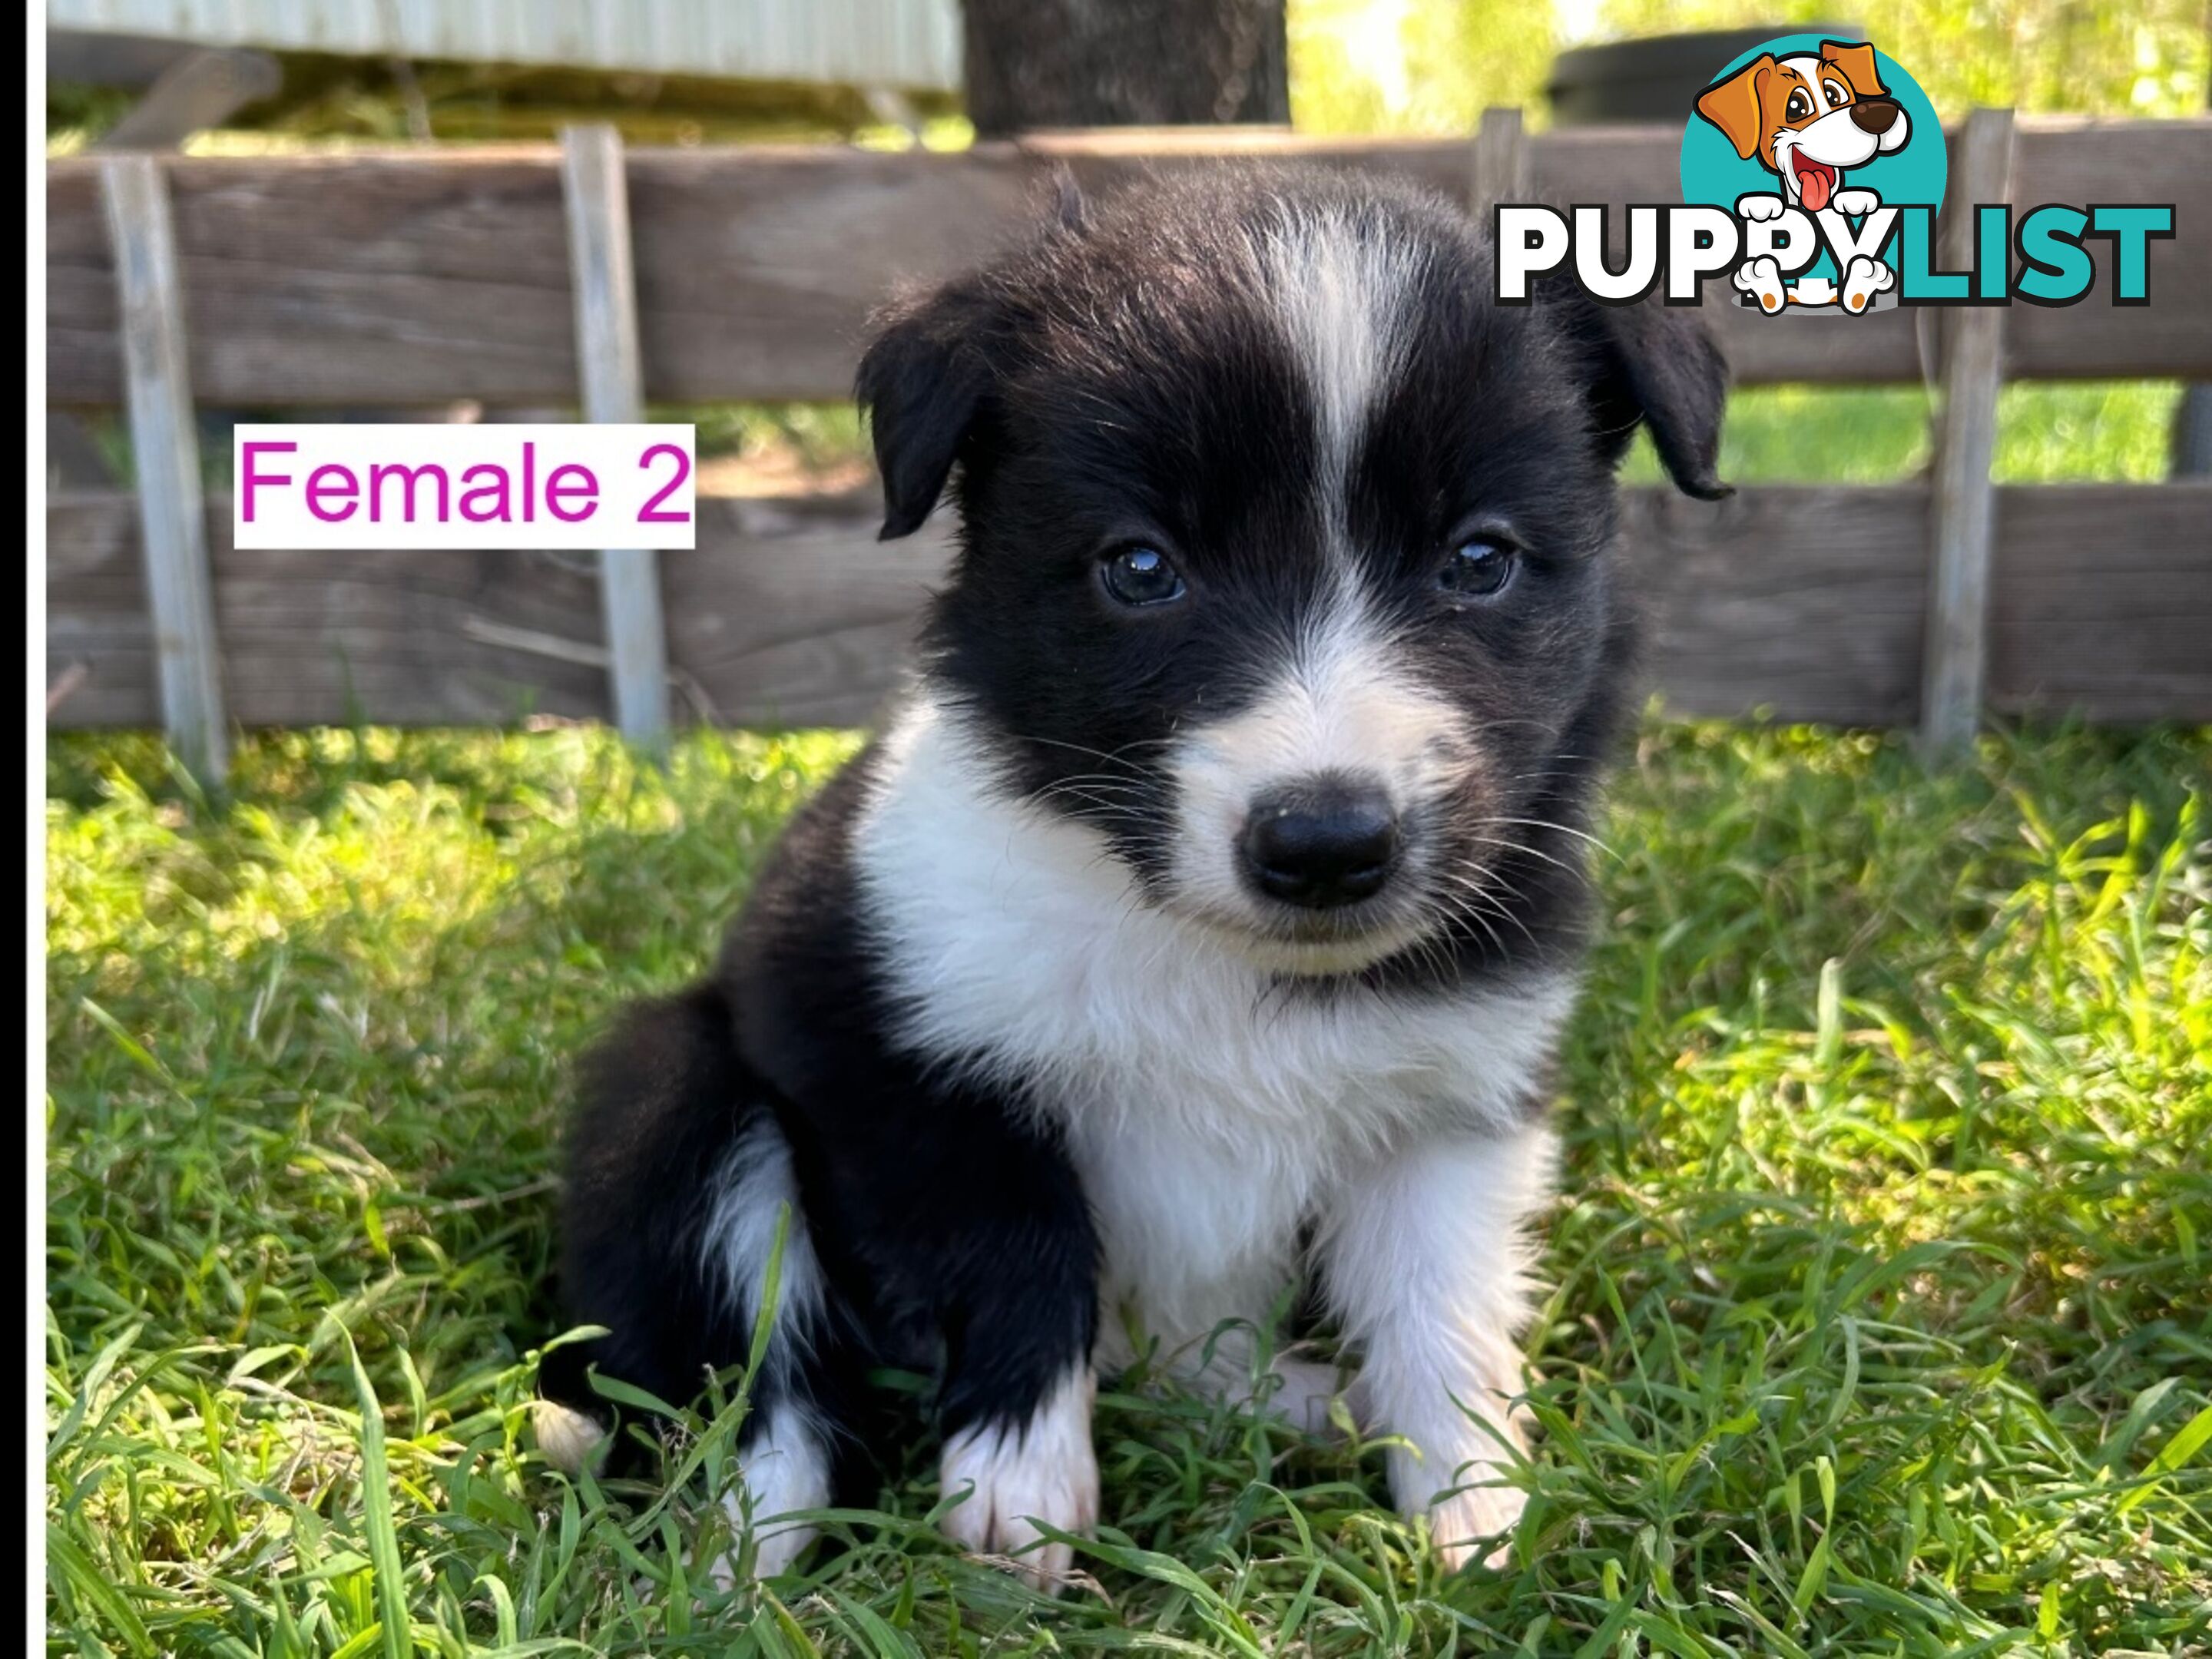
[1882, 1316]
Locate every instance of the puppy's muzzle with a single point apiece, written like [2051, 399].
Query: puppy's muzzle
[1875, 115]
[1322, 844]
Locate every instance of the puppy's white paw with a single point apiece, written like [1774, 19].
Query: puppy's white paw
[1475, 1523]
[1761, 278]
[1015, 1476]
[1854, 203]
[1863, 280]
[569, 1440]
[785, 1469]
[1758, 208]
[1304, 1393]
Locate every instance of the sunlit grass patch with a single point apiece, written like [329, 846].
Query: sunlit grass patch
[2113, 432]
[1879, 1320]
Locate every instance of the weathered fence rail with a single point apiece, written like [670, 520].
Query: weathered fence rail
[1808, 600]
[413, 279]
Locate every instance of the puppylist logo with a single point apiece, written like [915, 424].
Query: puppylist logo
[1812, 170]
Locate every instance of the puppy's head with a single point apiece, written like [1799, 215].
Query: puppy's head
[1808, 116]
[1284, 553]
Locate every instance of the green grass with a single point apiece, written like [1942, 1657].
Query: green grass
[1882, 1316]
[2116, 432]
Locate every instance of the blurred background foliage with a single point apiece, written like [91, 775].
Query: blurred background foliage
[1432, 65]
[1392, 66]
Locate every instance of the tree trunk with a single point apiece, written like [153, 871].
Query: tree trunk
[1037, 63]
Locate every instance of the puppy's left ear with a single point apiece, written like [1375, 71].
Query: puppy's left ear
[1657, 364]
[921, 384]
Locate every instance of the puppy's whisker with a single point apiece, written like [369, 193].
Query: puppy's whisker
[1114, 756]
[1452, 909]
[1547, 824]
[1463, 888]
[1532, 852]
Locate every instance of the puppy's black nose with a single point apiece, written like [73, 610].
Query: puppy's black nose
[1321, 848]
[1875, 114]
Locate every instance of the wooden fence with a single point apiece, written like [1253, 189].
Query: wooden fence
[412, 279]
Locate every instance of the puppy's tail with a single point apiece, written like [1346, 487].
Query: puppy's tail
[661, 1102]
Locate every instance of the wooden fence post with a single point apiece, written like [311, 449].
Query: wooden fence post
[165, 447]
[1500, 164]
[1964, 502]
[607, 353]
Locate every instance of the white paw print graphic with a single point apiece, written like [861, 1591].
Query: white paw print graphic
[1864, 280]
[1761, 278]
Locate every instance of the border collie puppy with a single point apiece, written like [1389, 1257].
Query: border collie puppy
[1204, 921]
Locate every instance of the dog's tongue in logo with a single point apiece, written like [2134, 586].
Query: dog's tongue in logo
[1816, 180]
[1803, 140]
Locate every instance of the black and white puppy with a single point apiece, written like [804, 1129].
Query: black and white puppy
[1205, 919]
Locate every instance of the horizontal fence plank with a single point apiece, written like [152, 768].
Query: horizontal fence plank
[398, 279]
[1805, 602]
[788, 612]
[2101, 600]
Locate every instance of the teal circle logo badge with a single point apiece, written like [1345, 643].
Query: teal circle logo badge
[1817, 146]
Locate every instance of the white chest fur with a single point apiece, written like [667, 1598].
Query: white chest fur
[1210, 1109]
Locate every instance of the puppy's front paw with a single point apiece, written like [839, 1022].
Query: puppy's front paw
[570, 1441]
[1757, 208]
[786, 1469]
[1015, 1475]
[1475, 1523]
[1306, 1390]
[1854, 203]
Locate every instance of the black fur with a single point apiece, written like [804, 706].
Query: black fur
[1122, 379]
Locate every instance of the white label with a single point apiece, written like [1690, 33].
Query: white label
[326, 488]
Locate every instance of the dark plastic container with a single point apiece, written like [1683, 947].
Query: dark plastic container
[1624, 83]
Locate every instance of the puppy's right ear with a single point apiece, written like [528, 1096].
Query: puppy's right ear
[921, 383]
[1733, 104]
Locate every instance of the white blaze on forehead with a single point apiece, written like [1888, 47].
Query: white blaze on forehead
[1341, 289]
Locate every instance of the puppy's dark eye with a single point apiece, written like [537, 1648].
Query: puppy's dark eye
[1141, 576]
[1479, 568]
[1798, 107]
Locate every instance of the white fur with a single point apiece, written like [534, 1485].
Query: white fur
[1012, 1477]
[1425, 1263]
[756, 1187]
[569, 1439]
[1342, 298]
[1210, 1110]
[1341, 705]
[786, 1470]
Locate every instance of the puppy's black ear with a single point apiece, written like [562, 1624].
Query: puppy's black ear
[921, 382]
[1657, 364]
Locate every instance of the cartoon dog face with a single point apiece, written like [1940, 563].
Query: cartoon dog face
[1807, 117]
